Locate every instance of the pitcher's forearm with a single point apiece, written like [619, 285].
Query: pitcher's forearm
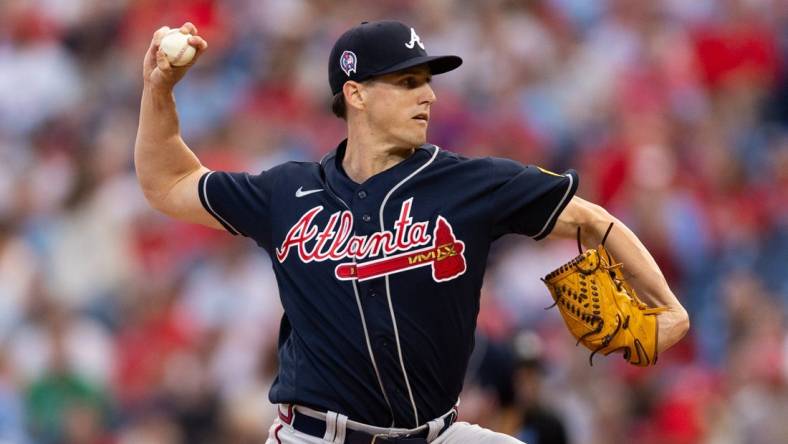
[161, 157]
[643, 273]
[640, 268]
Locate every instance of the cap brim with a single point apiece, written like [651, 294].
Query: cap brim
[437, 64]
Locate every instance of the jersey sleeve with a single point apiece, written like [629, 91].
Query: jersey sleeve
[528, 199]
[239, 201]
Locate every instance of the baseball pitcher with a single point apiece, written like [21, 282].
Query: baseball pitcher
[380, 248]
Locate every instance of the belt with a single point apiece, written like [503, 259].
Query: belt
[317, 427]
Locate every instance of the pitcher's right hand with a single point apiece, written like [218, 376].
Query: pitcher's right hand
[157, 71]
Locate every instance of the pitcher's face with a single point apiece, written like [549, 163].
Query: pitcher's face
[399, 104]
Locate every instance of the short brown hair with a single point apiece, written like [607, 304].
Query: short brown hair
[338, 106]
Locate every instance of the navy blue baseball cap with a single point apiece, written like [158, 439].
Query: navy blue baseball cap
[376, 48]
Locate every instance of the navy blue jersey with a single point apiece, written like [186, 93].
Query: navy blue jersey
[380, 281]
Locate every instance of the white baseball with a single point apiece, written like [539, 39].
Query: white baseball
[175, 45]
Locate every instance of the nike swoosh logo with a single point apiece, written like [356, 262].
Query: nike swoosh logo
[301, 193]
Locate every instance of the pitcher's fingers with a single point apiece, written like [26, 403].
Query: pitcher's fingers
[161, 61]
[198, 42]
[150, 56]
[189, 28]
[200, 45]
[159, 34]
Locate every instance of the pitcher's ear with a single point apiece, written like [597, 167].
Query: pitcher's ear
[354, 94]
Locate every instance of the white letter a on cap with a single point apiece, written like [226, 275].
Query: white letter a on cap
[414, 38]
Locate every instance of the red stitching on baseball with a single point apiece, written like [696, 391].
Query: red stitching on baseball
[180, 53]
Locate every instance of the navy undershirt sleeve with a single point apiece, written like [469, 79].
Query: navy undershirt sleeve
[528, 199]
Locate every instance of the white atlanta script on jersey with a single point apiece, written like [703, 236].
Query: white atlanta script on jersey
[336, 241]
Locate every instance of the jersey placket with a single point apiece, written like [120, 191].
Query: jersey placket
[375, 306]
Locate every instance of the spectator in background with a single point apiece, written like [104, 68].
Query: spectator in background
[12, 415]
[538, 423]
[487, 389]
[62, 405]
[154, 427]
[18, 270]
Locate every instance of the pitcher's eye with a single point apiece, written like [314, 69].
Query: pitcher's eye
[412, 81]
[409, 82]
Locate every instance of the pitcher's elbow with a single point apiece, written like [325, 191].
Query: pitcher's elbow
[153, 196]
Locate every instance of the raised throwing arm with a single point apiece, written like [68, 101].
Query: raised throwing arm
[167, 170]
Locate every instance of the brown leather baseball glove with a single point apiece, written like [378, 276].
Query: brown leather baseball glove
[601, 310]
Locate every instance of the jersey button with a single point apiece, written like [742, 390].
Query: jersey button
[362, 194]
[366, 218]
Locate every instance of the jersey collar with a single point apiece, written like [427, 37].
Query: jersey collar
[380, 183]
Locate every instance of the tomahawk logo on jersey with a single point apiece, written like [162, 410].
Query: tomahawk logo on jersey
[386, 273]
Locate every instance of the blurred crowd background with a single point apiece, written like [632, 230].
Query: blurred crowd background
[119, 325]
